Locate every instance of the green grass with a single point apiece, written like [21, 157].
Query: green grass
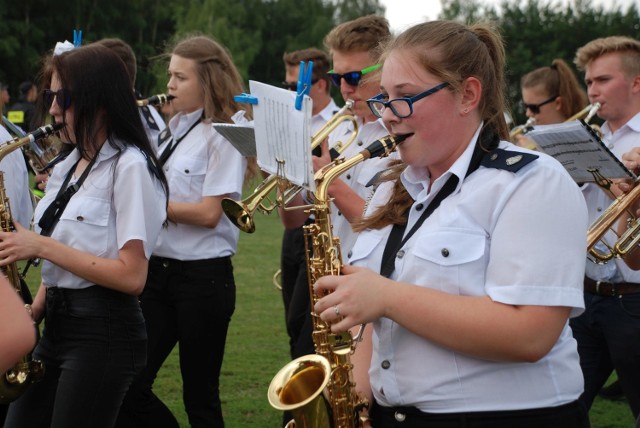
[257, 345]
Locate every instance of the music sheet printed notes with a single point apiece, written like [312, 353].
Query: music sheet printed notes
[242, 137]
[579, 149]
[283, 134]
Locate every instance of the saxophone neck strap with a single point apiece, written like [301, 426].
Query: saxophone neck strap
[396, 241]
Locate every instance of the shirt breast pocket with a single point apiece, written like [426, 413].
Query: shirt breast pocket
[450, 260]
[188, 178]
[86, 221]
[364, 246]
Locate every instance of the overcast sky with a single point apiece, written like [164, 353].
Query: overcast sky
[404, 13]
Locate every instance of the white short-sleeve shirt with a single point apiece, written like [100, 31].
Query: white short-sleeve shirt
[203, 164]
[119, 201]
[499, 234]
[16, 183]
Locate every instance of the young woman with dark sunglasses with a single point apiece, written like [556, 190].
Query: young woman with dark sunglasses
[550, 94]
[99, 221]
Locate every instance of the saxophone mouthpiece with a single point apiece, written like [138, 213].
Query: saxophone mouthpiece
[154, 100]
[384, 146]
[44, 131]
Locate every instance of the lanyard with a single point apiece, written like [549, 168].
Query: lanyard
[172, 146]
[52, 213]
[395, 241]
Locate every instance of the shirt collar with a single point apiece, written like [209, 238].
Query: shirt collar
[416, 180]
[633, 124]
[181, 122]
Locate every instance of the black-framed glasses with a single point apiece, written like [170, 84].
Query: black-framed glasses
[401, 107]
[351, 77]
[293, 86]
[535, 108]
[62, 97]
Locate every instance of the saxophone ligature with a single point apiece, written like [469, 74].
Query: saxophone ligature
[241, 212]
[155, 100]
[319, 389]
[26, 371]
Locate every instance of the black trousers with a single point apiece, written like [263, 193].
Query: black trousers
[93, 344]
[295, 293]
[608, 336]
[572, 415]
[191, 303]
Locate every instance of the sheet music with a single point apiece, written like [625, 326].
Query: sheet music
[283, 134]
[579, 149]
[242, 137]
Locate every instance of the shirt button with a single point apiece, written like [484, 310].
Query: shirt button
[400, 254]
[339, 213]
[186, 171]
[80, 218]
[360, 143]
[444, 252]
[385, 364]
[348, 176]
[419, 207]
[599, 209]
[349, 254]
[400, 417]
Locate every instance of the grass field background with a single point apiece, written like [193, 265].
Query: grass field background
[257, 344]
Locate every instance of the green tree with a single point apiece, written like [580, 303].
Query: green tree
[347, 10]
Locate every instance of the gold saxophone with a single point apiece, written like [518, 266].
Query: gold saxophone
[319, 389]
[26, 371]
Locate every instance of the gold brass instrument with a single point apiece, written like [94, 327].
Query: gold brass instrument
[155, 100]
[319, 389]
[241, 212]
[39, 152]
[26, 371]
[522, 129]
[608, 220]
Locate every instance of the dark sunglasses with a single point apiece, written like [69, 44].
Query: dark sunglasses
[62, 97]
[535, 108]
[293, 86]
[351, 77]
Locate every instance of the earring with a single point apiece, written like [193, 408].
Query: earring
[465, 111]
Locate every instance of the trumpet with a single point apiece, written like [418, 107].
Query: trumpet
[155, 100]
[522, 129]
[39, 154]
[588, 112]
[241, 212]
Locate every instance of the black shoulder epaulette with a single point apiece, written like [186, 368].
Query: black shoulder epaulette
[507, 160]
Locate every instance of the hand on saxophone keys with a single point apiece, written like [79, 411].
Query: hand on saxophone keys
[352, 298]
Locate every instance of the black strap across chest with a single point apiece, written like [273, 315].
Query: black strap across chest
[396, 241]
[171, 146]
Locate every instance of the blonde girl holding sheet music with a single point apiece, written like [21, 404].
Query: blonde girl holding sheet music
[190, 294]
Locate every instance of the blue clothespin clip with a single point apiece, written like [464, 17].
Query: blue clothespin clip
[304, 83]
[246, 98]
[77, 38]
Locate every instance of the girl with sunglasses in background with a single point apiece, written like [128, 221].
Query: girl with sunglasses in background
[98, 224]
[550, 94]
[464, 333]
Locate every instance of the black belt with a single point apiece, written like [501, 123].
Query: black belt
[166, 262]
[602, 288]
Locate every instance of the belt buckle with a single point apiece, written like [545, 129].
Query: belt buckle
[598, 287]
